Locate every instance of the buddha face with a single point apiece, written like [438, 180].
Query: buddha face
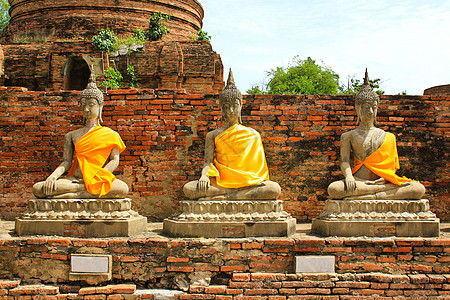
[231, 111]
[91, 108]
[367, 111]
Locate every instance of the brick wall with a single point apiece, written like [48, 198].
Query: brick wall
[242, 266]
[73, 19]
[41, 66]
[441, 90]
[190, 65]
[259, 286]
[164, 133]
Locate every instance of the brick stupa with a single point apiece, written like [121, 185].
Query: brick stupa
[47, 45]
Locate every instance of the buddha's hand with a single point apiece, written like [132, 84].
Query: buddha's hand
[350, 184]
[49, 185]
[379, 181]
[405, 183]
[203, 184]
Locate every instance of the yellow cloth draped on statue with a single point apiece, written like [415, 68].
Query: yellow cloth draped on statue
[384, 162]
[239, 159]
[92, 150]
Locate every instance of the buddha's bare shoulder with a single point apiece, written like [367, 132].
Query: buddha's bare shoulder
[356, 132]
[379, 131]
[348, 135]
[75, 134]
[212, 134]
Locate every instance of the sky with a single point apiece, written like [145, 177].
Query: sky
[405, 43]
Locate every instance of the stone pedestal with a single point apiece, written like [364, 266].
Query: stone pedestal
[230, 219]
[81, 218]
[377, 218]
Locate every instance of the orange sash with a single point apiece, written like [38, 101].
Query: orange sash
[239, 159]
[92, 151]
[384, 161]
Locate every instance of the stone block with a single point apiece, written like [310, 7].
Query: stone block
[229, 229]
[230, 219]
[81, 218]
[376, 228]
[377, 218]
[82, 228]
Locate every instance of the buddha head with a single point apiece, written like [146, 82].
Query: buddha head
[366, 102]
[230, 100]
[92, 100]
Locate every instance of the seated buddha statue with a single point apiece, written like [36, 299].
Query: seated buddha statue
[234, 166]
[376, 159]
[97, 151]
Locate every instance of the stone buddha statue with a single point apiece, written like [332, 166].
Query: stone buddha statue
[376, 158]
[97, 151]
[235, 166]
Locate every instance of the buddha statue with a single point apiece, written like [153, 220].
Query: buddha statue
[97, 151]
[234, 166]
[376, 158]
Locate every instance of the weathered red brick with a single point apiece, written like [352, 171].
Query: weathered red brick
[224, 297]
[404, 286]
[59, 242]
[232, 268]
[309, 291]
[245, 285]
[252, 245]
[128, 259]
[367, 292]
[88, 291]
[352, 285]
[197, 297]
[177, 259]
[214, 289]
[298, 284]
[419, 278]
[241, 277]
[9, 284]
[206, 251]
[196, 289]
[34, 290]
[90, 243]
[261, 292]
[95, 297]
[279, 242]
[234, 291]
[268, 277]
[180, 269]
[37, 241]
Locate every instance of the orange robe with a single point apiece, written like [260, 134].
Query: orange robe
[384, 161]
[92, 151]
[239, 159]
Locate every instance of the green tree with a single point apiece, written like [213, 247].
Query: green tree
[255, 90]
[354, 85]
[157, 29]
[201, 36]
[300, 77]
[4, 14]
[104, 40]
[114, 79]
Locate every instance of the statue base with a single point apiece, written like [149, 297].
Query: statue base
[376, 218]
[81, 218]
[230, 219]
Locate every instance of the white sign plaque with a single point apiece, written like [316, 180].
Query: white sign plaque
[314, 264]
[81, 263]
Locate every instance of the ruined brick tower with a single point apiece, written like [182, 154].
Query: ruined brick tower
[47, 44]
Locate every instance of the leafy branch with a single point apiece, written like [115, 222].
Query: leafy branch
[201, 36]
